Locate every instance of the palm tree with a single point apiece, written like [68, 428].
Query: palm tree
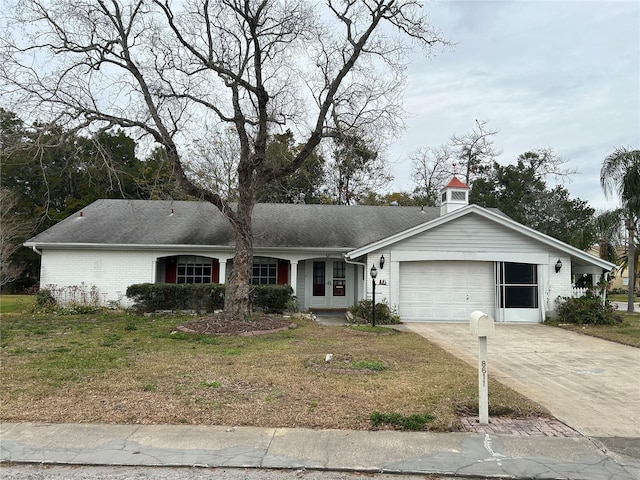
[623, 260]
[609, 228]
[620, 174]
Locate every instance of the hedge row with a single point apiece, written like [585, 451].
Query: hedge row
[149, 297]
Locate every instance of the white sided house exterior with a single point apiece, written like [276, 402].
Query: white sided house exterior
[434, 264]
[472, 258]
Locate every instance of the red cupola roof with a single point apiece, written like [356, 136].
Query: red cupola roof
[455, 183]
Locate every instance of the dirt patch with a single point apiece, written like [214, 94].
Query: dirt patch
[219, 325]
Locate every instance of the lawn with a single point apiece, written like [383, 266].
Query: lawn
[620, 297]
[627, 333]
[16, 303]
[122, 368]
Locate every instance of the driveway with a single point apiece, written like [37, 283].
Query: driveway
[590, 384]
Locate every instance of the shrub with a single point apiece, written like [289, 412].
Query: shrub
[77, 309]
[271, 298]
[45, 300]
[149, 297]
[399, 421]
[619, 291]
[58, 300]
[585, 310]
[385, 315]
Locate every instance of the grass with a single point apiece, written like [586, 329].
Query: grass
[621, 297]
[627, 333]
[120, 368]
[16, 303]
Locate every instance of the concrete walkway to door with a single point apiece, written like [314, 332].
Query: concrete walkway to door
[590, 384]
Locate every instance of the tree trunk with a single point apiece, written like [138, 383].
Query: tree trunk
[237, 303]
[631, 264]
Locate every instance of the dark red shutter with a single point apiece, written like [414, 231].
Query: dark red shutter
[283, 272]
[170, 270]
[215, 271]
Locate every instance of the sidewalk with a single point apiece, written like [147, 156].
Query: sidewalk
[460, 454]
[622, 306]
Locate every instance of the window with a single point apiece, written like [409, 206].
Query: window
[193, 270]
[264, 272]
[318, 279]
[518, 285]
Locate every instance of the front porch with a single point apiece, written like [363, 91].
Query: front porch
[318, 283]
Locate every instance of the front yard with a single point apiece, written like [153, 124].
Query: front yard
[122, 368]
[627, 333]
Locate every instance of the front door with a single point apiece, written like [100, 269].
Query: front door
[330, 287]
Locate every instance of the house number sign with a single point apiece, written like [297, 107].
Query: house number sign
[483, 369]
[482, 326]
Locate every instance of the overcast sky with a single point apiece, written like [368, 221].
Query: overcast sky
[558, 74]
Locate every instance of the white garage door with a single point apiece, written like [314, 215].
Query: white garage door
[445, 290]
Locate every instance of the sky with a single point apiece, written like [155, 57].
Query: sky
[563, 75]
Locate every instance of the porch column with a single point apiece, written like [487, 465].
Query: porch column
[222, 270]
[394, 283]
[293, 278]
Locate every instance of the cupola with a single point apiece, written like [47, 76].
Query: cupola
[454, 195]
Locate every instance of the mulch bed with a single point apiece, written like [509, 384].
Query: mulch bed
[219, 325]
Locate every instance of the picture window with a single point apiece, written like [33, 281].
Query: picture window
[193, 269]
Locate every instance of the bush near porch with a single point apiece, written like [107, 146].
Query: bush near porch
[586, 310]
[151, 297]
[362, 312]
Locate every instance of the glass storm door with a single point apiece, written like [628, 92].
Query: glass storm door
[339, 279]
[329, 285]
[319, 269]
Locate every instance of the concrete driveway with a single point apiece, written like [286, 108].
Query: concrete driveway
[590, 384]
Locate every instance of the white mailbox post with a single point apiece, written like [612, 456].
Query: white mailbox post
[482, 325]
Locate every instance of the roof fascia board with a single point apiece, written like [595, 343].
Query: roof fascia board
[122, 246]
[129, 246]
[500, 219]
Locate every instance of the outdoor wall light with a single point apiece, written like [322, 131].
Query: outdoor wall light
[558, 265]
[381, 261]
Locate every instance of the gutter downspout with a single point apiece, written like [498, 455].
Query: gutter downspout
[364, 270]
[35, 249]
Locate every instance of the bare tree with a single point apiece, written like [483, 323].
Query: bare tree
[432, 168]
[213, 163]
[545, 164]
[253, 65]
[355, 168]
[474, 151]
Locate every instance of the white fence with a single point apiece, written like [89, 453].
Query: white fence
[578, 292]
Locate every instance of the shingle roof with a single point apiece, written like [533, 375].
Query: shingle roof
[142, 222]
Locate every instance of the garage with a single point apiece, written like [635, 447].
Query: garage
[446, 291]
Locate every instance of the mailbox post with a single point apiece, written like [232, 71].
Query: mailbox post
[482, 325]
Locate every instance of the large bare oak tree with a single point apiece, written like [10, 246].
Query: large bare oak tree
[175, 71]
